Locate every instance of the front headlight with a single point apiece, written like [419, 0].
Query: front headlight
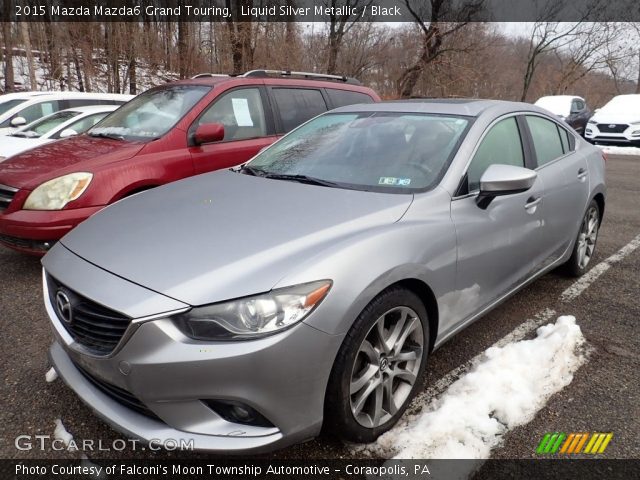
[56, 193]
[255, 316]
[592, 121]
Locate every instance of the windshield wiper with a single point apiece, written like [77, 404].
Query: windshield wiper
[112, 136]
[256, 172]
[25, 135]
[302, 179]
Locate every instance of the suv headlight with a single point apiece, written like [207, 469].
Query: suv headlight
[254, 316]
[56, 193]
[592, 121]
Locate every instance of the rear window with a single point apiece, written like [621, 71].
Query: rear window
[546, 139]
[340, 98]
[297, 105]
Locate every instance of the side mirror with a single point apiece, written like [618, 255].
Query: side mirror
[499, 180]
[68, 132]
[208, 132]
[18, 121]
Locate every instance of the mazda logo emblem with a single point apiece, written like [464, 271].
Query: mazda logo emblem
[63, 304]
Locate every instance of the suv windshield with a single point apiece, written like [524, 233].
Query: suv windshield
[40, 127]
[389, 152]
[151, 114]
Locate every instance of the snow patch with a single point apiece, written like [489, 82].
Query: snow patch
[620, 150]
[51, 375]
[60, 433]
[505, 388]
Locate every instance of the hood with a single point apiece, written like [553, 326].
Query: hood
[611, 117]
[82, 153]
[13, 145]
[225, 235]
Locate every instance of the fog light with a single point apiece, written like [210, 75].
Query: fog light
[589, 131]
[237, 412]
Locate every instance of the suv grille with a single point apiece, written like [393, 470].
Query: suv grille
[6, 196]
[118, 394]
[612, 128]
[96, 327]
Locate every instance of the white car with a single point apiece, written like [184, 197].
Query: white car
[617, 122]
[62, 124]
[42, 105]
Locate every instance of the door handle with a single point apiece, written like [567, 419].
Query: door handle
[532, 202]
[582, 173]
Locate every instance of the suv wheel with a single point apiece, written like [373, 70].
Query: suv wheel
[379, 367]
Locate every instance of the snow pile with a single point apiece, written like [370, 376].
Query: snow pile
[506, 387]
[620, 150]
[60, 433]
[51, 375]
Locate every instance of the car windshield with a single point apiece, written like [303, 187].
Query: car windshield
[40, 127]
[9, 104]
[151, 114]
[375, 151]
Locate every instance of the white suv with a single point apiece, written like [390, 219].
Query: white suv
[617, 122]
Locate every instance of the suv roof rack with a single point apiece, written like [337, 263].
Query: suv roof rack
[204, 75]
[308, 75]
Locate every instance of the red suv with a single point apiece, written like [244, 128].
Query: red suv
[167, 133]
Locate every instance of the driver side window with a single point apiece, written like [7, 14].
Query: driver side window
[240, 111]
[501, 145]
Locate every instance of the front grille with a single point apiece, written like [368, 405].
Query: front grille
[118, 394]
[6, 196]
[97, 328]
[612, 128]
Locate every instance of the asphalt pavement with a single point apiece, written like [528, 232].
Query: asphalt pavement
[603, 397]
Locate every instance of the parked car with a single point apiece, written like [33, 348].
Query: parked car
[571, 109]
[39, 106]
[165, 134]
[62, 124]
[244, 308]
[618, 122]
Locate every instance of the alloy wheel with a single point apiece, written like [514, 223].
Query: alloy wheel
[587, 237]
[386, 366]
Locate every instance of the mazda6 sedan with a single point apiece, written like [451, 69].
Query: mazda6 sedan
[244, 309]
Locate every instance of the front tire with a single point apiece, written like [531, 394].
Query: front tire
[379, 368]
[585, 244]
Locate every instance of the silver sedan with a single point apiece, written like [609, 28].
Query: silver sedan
[242, 309]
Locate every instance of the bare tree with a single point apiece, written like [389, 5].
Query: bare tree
[429, 16]
[339, 26]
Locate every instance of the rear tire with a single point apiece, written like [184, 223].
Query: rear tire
[379, 368]
[585, 244]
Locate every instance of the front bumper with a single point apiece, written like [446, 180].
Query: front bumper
[283, 377]
[629, 135]
[35, 231]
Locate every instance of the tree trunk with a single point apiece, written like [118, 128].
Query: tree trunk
[638, 82]
[9, 85]
[26, 41]
[183, 49]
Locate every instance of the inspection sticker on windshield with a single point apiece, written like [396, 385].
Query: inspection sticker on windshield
[399, 182]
